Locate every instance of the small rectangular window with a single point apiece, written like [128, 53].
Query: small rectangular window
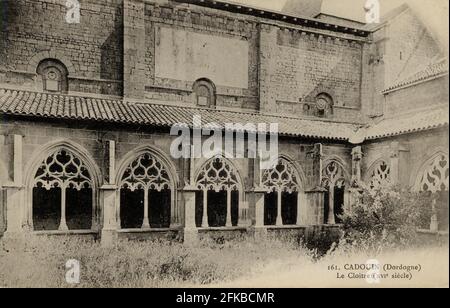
[52, 85]
[203, 101]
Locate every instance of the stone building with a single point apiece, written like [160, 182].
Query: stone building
[87, 108]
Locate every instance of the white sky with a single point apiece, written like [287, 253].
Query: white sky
[434, 13]
[353, 9]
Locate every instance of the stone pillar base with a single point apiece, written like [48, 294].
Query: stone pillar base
[190, 237]
[108, 238]
[259, 233]
[13, 241]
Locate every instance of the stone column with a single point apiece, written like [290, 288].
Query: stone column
[302, 209]
[228, 221]
[205, 223]
[259, 229]
[108, 194]
[279, 221]
[331, 219]
[356, 165]
[394, 161]
[15, 205]
[315, 194]
[190, 228]
[134, 48]
[434, 224]
[315, 206]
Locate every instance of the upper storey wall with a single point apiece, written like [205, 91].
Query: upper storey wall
[158, 49]
[92, 50]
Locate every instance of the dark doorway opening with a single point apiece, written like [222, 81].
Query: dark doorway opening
[338, 203]
[217, 208]
[46, 209]
[131, 208]
[159, 208]
[79, 209]
[270, 208]
[289, 208]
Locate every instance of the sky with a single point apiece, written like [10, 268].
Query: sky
[354, 9]
[434, 13]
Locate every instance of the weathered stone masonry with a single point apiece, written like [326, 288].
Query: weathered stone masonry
[96, 100]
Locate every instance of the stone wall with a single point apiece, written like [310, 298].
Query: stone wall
[92, 50]
[92, 139]
[413, 151]
[421, 96]
[409, 47]
[297, 66]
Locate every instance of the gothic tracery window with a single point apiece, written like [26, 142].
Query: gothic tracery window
[218, 197]
[334, 180]
[433, 179]
[434, 176]
[281, 199]
[62, 194]
[381, 175]
[145, 194]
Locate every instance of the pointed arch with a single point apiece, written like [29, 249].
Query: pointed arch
[379, 173]
[44, 151]
[147, 184]
[433, 174]
[222, 175]
[335, 178]
[220, 192]
[335, 171]
[283, 185]
[294, 177]
[62, 173]
[432, 178]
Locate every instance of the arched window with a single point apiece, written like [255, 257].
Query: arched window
[433, 179]
[53, 76]
[62, 194]
[334, 180]
[217, 201]
[380, 175]
[281, 199]
[145, 194]
[205, 93]
[324, 105]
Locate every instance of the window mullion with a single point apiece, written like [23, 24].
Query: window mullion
[63, 224]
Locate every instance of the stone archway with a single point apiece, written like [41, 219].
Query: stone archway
[433, 178]
[219, 194]
[62, 183]
[335, 179]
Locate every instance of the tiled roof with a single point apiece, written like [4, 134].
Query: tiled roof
[409, 123]
[55, 106]
[433, 70]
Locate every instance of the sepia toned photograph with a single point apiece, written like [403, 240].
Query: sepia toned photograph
[219, 148]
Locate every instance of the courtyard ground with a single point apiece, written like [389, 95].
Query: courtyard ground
[242, 263]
